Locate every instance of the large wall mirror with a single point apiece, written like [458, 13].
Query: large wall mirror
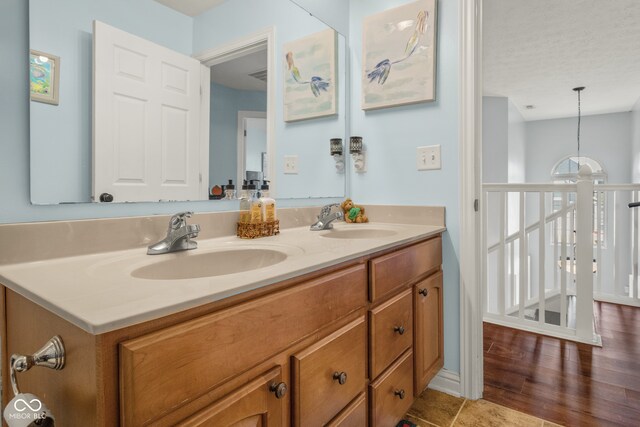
[169, 98]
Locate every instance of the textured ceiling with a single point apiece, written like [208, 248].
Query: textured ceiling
[536, 51]
[235, 73]
[191, 7]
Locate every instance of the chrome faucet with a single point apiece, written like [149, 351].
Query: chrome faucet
[179, 236]
[326, 218]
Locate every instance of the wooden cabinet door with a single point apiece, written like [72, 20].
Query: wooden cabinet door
[329, 374]
[428, 336]
[254, 405]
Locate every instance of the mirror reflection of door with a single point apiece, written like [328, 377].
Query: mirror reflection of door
[238, 103]
[147, 112]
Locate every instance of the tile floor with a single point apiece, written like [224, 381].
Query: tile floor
[433, 408]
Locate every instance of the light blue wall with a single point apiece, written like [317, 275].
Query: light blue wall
[334, 13]
[605, 138]
[391, 136]
[225, 104]
[308, 139]
[62, 133]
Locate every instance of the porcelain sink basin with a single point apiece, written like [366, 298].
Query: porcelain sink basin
[189, 265]
[358, 233]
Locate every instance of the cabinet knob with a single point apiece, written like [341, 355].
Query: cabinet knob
[279, 389]
[424, 292]
[341, 377]
[399, 393]
[399, 329]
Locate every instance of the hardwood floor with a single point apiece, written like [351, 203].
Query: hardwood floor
[565, 382]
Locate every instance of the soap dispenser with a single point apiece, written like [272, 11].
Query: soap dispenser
[255, 205]
[230, 191]
[245, 204]
[268, 204]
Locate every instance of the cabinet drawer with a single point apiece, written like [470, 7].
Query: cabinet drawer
[320, 392]
[395, 269]
[391, 331]
[255, 404]
[165, 369]
[392, 393]
[354, 415]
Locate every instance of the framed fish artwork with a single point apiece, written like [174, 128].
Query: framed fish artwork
[310, 77]
[399, 56]
[44, 77]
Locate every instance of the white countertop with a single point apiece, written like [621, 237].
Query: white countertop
[98, 293]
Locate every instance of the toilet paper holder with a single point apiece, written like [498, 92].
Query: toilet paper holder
[51, 355]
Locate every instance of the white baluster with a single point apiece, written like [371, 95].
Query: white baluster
[541, 261]
[501, 253]
[584, 259]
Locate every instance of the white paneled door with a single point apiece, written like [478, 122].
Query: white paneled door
[148, 140]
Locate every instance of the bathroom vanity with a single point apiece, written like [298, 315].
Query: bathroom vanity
[346, 331]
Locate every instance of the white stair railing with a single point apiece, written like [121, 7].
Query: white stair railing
[617, 244]
[538, 262]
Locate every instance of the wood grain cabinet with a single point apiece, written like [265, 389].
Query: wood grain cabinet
[429, 336]
[260, 403]
[405, 327]
[346, 346]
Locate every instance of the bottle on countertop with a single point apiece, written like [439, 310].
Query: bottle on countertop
[255, 204]
[268, 204]
[245, 204]
[230, 191]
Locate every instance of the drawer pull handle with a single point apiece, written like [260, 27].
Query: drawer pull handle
[399, 393]
[399, 329]
[424, 292]
[341, 377]
[279, 389]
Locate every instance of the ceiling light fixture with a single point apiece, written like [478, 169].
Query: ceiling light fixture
[578, 90]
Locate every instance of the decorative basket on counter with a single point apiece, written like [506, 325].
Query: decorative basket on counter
[254, 231]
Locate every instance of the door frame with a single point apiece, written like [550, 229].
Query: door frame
[241, 47]
[470, 143]
[242, 143]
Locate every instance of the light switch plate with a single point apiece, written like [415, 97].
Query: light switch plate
[428, 158]
[291, 164]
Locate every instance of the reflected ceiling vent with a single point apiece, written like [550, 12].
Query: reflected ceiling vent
[260, 75]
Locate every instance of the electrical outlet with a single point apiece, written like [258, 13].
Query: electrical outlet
[428, 158]
[291, 164]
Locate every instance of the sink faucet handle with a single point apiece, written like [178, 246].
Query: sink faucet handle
[179, 220]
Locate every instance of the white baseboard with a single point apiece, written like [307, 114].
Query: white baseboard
[447, 382]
